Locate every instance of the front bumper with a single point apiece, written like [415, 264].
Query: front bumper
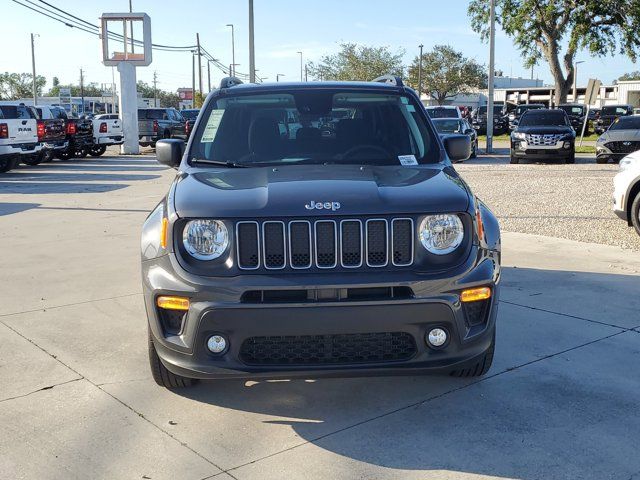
[542, 152]
[219, 306]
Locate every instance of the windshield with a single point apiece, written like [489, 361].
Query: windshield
[190, 114]
[448, 126]
[442, 112]
[314, 127]
[549, 118]
[626, 123]
[572, 109]
[16, 112]
[613, 111]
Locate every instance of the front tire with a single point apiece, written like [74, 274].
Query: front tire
[635, 213]
[162, 375]
[514, 160]
[602, 160]
[97, 151]
[474, 152]
[479, 366]
[7, 164]
[33, 160]
[571, 158]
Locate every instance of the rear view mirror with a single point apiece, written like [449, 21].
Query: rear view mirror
[458, 147]
[169, 152]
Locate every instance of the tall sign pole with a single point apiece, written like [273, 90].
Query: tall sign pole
[492, 46]
[252, 53]
[420, 73]
[33, 71]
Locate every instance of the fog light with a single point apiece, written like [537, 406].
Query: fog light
[567, 144]
[437, 337]
[216, 344]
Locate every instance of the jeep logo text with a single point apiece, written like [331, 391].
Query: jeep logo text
[333, 206]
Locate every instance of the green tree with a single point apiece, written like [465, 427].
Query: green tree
[557, 29]
[446, 73]
[168, 99]
[19, 85]
[357, 62]
[144, 89]
[90, 90]
[630, 76]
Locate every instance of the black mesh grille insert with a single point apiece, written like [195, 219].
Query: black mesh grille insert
[274, 252]
[300, 244]
[623, 147]
[351, 243]
[377, 242]
[402, 242]
[328, 349]
[248, 250]
[476, 312]
[325, 244]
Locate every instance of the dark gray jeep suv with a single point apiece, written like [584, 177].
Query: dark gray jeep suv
[318, 229]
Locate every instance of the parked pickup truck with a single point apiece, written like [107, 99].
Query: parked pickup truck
[18, 135]
[51, 135]
[157, 123]
[106, 131]
[79, 134]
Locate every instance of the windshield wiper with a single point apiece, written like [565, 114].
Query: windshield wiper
[219, 162]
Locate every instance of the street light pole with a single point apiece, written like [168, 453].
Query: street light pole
[492, 45]
[252, 53]
[199, 63]
[420, 74]
[209, 74]
[33, 70]
[301, 69]
[233, 50]
[575, 81]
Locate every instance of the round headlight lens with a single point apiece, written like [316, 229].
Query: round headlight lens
[205, 239]
[441, 234]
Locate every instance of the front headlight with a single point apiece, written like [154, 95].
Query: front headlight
[205, 239]
[519, 136]
[441, 234]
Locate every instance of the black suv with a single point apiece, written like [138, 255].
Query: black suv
[543, 134]
[284, 249]
[609, 114]
[500, 120]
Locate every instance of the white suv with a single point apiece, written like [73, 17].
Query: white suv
[626, 194]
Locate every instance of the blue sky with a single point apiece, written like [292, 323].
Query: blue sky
[283, 27]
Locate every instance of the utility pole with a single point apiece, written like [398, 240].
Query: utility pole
[155, 89]
[306, 73]
[209, 74]
[199, 64]
[82, 90]
[492, 45]
[33, 71]
[300, 65]
[232, 71]
[420, 74]
[252, 53]
[193, 80]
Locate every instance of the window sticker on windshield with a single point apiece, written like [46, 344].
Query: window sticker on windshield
[211, 128]
[407, 160]
[411, 108]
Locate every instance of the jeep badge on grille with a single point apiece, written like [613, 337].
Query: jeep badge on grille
[333, 206]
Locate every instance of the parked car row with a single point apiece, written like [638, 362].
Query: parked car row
[32, 135]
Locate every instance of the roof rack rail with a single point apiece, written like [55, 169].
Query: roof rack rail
[229, 82]
[390, 79]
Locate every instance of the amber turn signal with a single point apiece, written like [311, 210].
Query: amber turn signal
[475, 294]
[173, 303]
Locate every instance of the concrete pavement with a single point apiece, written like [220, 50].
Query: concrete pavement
[77, 401]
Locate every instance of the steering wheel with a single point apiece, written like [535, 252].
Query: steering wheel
[364, 148]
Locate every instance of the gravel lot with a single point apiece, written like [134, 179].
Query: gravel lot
[557, 200]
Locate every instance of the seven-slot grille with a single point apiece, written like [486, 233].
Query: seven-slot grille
[546, 139]
[324, 244]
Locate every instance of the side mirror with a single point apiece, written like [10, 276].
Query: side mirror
[169, 152]
[469, 131]
[458, 147]
[515, 122]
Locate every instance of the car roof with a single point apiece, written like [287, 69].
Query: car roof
[538, 111]
[287, 86]
[441, 106]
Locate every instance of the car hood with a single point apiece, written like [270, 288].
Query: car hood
[288, 191]
[620, 135]
[542, 130]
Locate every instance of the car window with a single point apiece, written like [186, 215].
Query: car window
[19, 112]
[555, 118]
[314, 126]
[442, 112]
[448, 126]
[572, 110]
[613, 110]
[151, 114]
[626, 123]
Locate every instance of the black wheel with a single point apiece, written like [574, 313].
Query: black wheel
[602, 160]
[474, 152]
[81, 153]
[635, 213]
[96, 151]
[48, 156]
[32, 160]
[161, 375]
[63, 155]
[571, 158]
[514, 159]
[479, 366]
[167, 134]
[7, 164]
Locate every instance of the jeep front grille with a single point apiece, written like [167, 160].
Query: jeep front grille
[325, 244]
[546, 139]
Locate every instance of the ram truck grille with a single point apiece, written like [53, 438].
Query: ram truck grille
[325, 244]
